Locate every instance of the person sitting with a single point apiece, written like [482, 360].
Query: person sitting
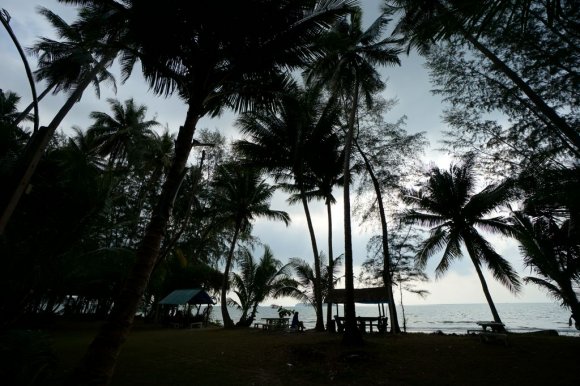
[296, 324]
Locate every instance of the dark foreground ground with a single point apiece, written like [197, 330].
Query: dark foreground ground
[211, 356]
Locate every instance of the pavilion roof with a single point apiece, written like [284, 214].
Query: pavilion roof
[375, 295]
[187, 296]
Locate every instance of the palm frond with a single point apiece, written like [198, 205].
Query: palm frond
[500, 268]
[434, 243]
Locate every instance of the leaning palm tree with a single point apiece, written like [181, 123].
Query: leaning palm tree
[65, 71]
[553, 255]
[62, 64]
[240, 196]
[257, 281]
[348, 71]
[447, 203]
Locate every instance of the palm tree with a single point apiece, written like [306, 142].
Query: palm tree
[554, 255]
[241, 196]
[193, 52]
[102, 57]
[325, 167]
[124, 136]
[306, 278]
[8, 107]
[448, 205]
[548, 232]
[288, 142]
[348, 70]
[63, 64]
[12, 138]
[258, 281]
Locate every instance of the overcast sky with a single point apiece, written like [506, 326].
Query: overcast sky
[409, 83]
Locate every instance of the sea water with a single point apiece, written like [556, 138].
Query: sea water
[447, 318]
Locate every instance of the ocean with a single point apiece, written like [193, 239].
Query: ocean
[447, 318]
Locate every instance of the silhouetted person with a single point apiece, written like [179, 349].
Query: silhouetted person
[296, 324]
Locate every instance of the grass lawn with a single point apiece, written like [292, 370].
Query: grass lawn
[212, 356]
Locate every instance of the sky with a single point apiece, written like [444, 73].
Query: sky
[408, 83]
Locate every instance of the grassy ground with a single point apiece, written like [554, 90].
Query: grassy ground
[154, 356]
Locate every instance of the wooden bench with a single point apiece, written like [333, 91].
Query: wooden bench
[258, 325]
[196, 325]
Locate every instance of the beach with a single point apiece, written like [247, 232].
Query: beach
[448, 318]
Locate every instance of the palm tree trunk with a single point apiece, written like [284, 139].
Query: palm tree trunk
[228, 323]
[25, 112]
[317, 282]
[35, 149]
[352, 335]
[97, 366]
[477, 266]
[5, 19]
[387, 274]
[329, 322]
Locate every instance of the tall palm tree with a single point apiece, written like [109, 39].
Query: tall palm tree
[241, 195]
[287, 143]
[454, 212]
[194, 53]
[348, 70]
[325, 167]
[258, 281]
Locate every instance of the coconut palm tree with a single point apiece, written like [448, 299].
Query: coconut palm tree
[124, 136]
[287, 142]
[240, 196]
[548, 232]
[8, 107]
[447, 203]
[62, 64]
[306, 278]
[348, 71]
[194, 52]
[553, 255]
[325, 168]
[258, 281]
[90, 71]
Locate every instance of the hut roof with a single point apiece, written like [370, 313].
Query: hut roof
[188, 296]
[375, 295]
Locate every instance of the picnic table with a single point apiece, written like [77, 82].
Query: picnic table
[363, 322]
[496, 331]
[273, 323]
[493, 326]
